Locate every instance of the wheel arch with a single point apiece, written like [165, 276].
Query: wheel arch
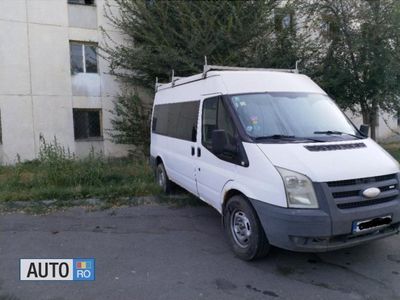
[231, 189]
[159, 160]
[229, 194]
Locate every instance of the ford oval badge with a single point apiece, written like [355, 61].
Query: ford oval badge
[371, 192]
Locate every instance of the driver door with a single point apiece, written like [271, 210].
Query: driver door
[213, 171]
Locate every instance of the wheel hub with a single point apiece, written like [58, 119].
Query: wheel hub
[241, 229]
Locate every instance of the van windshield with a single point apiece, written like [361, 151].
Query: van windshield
[292, 116]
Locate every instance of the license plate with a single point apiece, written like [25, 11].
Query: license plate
[371, 223]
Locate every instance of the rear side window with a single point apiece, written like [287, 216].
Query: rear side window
[177, 120]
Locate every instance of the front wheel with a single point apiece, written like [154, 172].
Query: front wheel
[243, 229]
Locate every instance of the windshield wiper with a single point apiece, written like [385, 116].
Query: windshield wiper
[330, 132]
[285, 137]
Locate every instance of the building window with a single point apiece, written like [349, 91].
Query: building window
[329, 27]
[82, 2]
[83, 57]
[284, 19]
[87, 124]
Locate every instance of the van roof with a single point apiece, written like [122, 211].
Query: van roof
[244, 81]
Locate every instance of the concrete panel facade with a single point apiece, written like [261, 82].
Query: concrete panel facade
[17, 128]
[47, 12]
[82, 16]
[14, 58]
[37, 90]
[13, 10]
[49, 59]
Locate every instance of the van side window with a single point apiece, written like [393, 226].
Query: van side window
[215, 116]
[177, 120]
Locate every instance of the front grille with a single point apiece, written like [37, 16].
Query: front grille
[366, 202]
[362, 180]
[349, 193]
[345, 194]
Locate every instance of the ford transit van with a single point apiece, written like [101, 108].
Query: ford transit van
[276, 157]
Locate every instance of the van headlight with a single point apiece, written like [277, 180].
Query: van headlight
[299, 189]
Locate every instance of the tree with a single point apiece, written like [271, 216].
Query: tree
[360, 63]
[161, 36]
[131, 122]
[287, 43]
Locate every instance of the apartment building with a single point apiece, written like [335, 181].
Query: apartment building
[53, 83]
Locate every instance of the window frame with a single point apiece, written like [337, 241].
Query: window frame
[83, 52]
[242, 132]
[175, 135]
[84, 4]
[85, 139]
[240, 158]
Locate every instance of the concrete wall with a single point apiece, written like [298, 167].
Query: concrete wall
[37, 90]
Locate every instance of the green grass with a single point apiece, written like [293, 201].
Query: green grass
[57, 174]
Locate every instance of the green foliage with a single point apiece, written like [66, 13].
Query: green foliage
[131, 122]
[285, 44]
[165, 35]
[160, 36]
[58, 174]
[350, 47]
[359, 63]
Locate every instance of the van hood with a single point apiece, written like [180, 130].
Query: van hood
[332, 161]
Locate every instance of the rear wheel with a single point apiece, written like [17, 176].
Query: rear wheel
[244, 230]
[162, 179]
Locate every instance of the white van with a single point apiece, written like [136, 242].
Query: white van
[272, 153]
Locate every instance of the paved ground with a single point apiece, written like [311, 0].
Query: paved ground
[159, 252]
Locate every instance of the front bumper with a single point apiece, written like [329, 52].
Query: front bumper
[324, 229]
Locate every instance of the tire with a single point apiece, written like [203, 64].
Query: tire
[244, 230]
[162, 179]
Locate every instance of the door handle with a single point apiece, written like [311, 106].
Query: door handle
[198, 152]
[192, 151]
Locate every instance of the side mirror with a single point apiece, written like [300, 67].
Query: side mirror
[364, 129]
[218, 140]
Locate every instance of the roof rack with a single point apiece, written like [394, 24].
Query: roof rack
[207, 68]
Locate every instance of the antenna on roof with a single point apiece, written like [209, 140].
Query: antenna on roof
[205, 67]
[297, 65]
[173, 77]
[156, 85]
